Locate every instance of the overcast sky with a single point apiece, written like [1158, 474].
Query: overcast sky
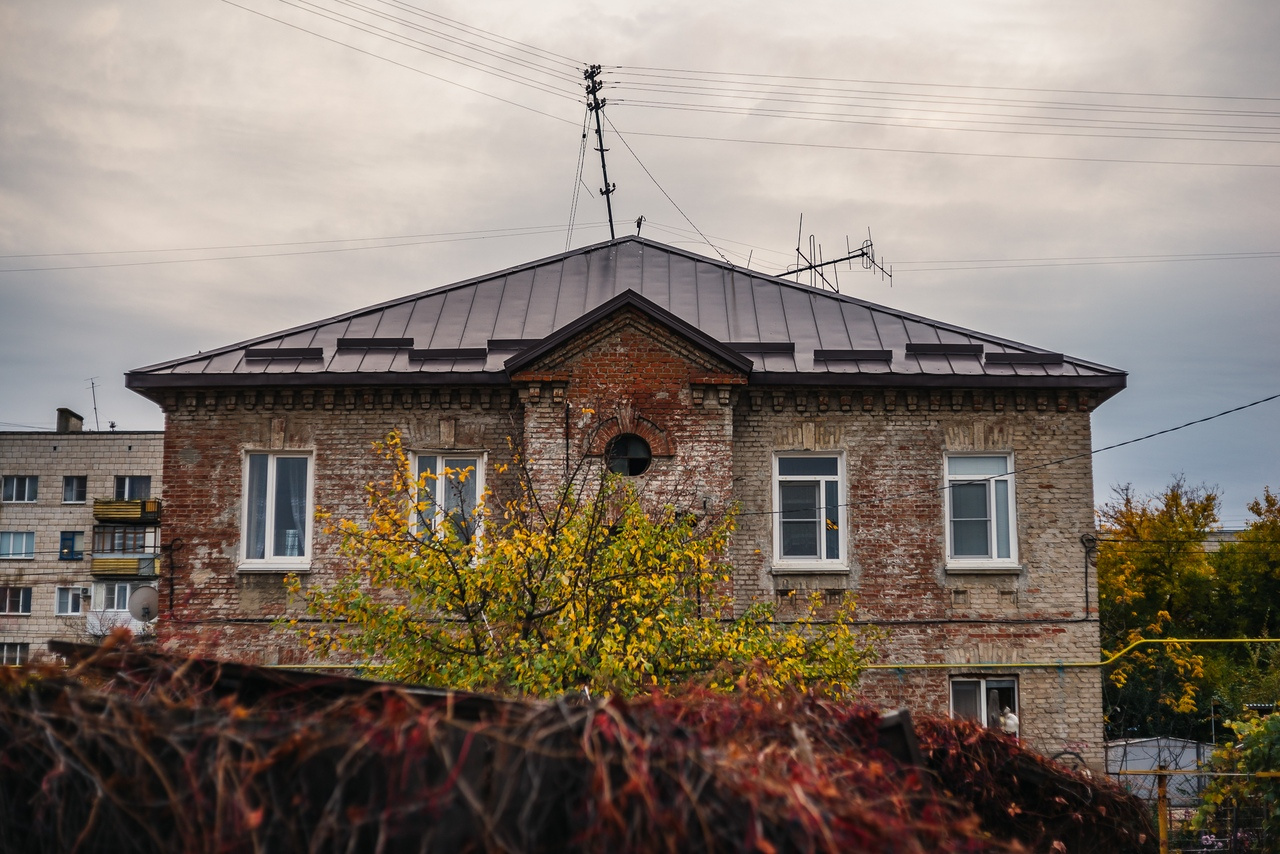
[1096, 177]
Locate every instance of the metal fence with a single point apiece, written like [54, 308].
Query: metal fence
[1232, 827]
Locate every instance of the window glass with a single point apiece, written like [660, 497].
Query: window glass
[290, 507]
[980, 508]
[985, 466]
[452, 488]
[74, 489]
[628, 454]
[255, 538]
[19, 487]
[17, 544]
[115, 596]
[806, 466]
[70, 600]
[808, 503]
[15, 600]
[991, 702]
[133, 487]
[71, 545]
[14, 653]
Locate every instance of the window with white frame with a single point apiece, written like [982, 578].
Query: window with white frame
[71, 601]
[808, 502]
[989, 700]
[17, 545]
[19, 488]
[452, 487]
[15, 600]
[75, 488]
[133, 487]
[981, 524]
[277, 509]
[13, 654]
[112, 596]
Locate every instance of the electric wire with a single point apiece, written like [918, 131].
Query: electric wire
[944, 153]
[489, 35]
[397, 63]
[534, 231]
[1023, 469]
[415, 44]
[623, 140]
[577, 178]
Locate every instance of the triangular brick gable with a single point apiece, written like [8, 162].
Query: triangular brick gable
[561, 355]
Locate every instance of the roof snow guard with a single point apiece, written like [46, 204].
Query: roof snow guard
[472, 332]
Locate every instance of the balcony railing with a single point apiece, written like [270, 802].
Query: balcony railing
[125, 549]
[141, 511]
[116, 565]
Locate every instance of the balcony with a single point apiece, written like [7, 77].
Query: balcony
[136, 511]
[125, 549]
[140, 565]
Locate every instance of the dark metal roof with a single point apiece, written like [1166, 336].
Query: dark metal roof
[469, 332]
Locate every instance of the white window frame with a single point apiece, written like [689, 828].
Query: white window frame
[126, 487]
[985, 684]
[269, 562]
[100, 597]
[78, 480]
[13, 654]
[9, 488]
[7, 551]
[822, 561]
[439, 462]
[15, 601]
[71, 601]
[995, 484]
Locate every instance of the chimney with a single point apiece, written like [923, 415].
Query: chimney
[69, 422]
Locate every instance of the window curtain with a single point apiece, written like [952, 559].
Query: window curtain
[291, 507]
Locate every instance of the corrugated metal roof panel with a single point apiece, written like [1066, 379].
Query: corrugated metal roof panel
[725, 303]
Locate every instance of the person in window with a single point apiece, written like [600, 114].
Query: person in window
[1009, 722]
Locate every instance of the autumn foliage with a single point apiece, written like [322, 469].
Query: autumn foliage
[581, 588]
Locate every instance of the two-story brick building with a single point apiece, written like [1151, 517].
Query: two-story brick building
[938, 474]
[79, 532]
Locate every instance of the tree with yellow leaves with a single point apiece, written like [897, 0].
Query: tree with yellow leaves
[586, 589]
[1154, 581]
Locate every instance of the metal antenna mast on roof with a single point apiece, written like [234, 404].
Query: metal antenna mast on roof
[812, 263]
[596, 104]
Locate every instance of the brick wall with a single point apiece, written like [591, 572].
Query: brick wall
[714, 440]
[217, 608]
[99, 457]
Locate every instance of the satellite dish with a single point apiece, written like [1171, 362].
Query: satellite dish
[144, 604]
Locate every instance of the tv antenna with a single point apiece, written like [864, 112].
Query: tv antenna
[143, 604]
[813, 263]
[596, 105]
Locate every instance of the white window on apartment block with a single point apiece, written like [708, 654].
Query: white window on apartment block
[809, 512]
[989, 700]
[12, 654]
[15, 600]
[111, 596]
[17, 545]
[277, 511]
[19, 488]
[71, 601]
[133, 487]
[453, 485]
[981, 526]
[75, 489]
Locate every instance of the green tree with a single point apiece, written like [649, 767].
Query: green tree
[1154, 581]
[535, 594]
[1257, 749]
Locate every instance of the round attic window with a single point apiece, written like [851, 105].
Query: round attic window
[628, 454]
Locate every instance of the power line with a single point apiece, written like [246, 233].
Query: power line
[511, 233]
[678, 71]
[664, 192]
[400, 64]
[1023, 469]
[1000, 155]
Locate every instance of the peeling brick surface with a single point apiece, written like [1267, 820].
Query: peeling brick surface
[714, 438]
